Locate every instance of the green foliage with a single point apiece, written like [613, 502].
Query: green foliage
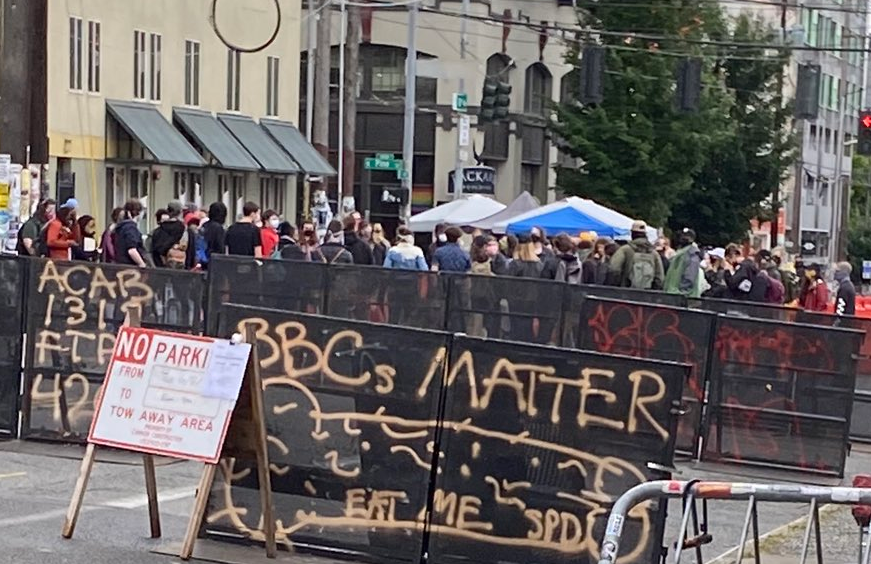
[859, 228]
[710, 170]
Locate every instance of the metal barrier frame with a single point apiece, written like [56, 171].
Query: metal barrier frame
[692, 490]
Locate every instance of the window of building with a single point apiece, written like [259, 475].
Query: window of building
[94, 30]
[813, 136]
[388, 71]
[272, 194]
[234, 73]
[812, 29]
[192, 73]
[835, 94]
[848, 145]
[154, 60]
[838, 30]
[538, 89]
[828, 143]
[824, 193]
[76, 41]
[808, 189]
[140, 62]
[528, 174]
[272, 67]
[832, 35]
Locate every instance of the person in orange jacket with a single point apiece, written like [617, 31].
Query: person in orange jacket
[816, 294]
[59, 236]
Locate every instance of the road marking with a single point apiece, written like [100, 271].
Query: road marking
[132, 502]
[13, 475]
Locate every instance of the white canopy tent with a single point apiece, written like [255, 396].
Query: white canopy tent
[462, 212]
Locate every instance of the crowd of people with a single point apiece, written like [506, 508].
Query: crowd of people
[186, 238]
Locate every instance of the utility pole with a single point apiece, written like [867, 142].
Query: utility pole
[410, 108]
[349, 100]
[312, 27]
[775, 196]
[461, 150]
[348, 204]
[321, 115]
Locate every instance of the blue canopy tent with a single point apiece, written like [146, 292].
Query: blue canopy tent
[566, 219]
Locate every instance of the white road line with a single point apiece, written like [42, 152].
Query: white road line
[132, 502]
[13, 475]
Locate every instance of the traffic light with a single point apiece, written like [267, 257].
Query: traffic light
[488, 101]
[689, 84]
[863, 146]
[592, 70]
[503, 100]
[495, 100]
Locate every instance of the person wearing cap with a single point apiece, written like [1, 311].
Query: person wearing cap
[767, 267]
[637, 265]
[845, 301]
[333, 247]
[816, 296]
[170, 241]
[746, 282]
[716, 274]
[684, 272]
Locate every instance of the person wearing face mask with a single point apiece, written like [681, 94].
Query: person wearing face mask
[816, 298]
[845, 302]
[269, 232]
[309, 239]
[87, 244]
[128, 239]
[539, 242]
[684, 272]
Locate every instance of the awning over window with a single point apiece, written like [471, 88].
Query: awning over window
[296, 145]
[214, 138]
[145, 124]
[256, 141]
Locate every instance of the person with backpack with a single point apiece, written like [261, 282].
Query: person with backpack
[170, 241]
[288, 247]
[211, 239]
[684, 274]
[637, 265]
[563, 265]
[845, 301]
[333, 248]
[107, 241]
[30, 241]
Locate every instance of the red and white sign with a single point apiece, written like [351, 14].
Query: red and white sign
[169, 394]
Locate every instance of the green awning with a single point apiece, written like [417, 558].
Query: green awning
[214, 138]
[149, 128]
[256, 141]
[296, 145]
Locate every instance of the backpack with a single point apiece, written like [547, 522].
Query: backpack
[41, 243]
[176, 256]
[642, 273]
[570, 276]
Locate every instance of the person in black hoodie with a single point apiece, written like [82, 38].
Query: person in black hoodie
[845, 302]
[563, 265]
[212, 234]
[359, 249]
[170, 241]
[128, 239]
[747, 283]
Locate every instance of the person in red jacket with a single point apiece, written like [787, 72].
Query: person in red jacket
[269, 233]
[816, 296]
[59, 236]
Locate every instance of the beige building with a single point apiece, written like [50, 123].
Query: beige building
[145, 101]
[506, 39]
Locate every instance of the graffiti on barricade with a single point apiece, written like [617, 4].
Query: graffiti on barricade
[527, 452]
[74, 313]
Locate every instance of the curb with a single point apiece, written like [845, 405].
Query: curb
[773, 537]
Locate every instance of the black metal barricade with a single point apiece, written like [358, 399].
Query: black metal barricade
[497, 307]
[380, 295]
[13, 279]
[655, 332]
[746, 309]
[781, 394]
[538, 443]
[74, 310]
[351, 413]
[860, 428]
[281, 284]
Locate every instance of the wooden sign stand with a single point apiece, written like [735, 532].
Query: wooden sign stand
[246, 436]
[133, 320]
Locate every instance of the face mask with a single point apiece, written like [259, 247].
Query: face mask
[308, 232]
[443, 238]
[841, 276]
[536, 238]
[258, 223]
[274, 222]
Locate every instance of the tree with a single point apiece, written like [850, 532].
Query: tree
[711, 170]
[754, 158]
[639, 152]
[859, 227]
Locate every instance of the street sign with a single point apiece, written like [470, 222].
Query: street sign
[402, 174]
[465, 127]
[866, 270]
[460, 102]
[169, 394]
[385, 156]
[382, 164]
